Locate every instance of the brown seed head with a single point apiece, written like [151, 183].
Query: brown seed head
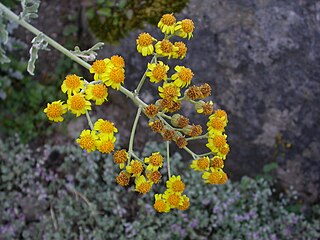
[194, 93]
[151, 110]
[168, 135]
[205, 90]
[156, 126]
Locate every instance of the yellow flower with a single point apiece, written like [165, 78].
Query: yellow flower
[135, 168]
[106, 128]
[144, 44]
[114, 77]
[99, 67]
[120, 157]
[142, 186]
[154, 176]
[117, 61]
[158, 71]
[217, 122]
[72, 84]
[105, 144]
[181, 51]
[167, 24]
[215, 176]
[186, 203]
[97, 92]
[174, 199]
[175, 184]
[87, 140]
[201, 164]
[165, 48]
[169, 91]
[184, 28]
[78, 105]
[155, 161]
[216, 142]
[160, 205]
[123, 178]
[182, 77]
[55, 110]
[223, 151]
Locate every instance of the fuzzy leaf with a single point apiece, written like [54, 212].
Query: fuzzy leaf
[3, 40]
[29, 9]
[90, 54]
[38, 43]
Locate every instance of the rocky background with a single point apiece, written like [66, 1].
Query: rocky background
[262, 58]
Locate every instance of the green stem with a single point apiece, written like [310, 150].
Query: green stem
[133, 131]
[12, 16]
[89, 120]
[205, 154]
[198, 137]
[194, 156]
[136, 92]
[168, 159]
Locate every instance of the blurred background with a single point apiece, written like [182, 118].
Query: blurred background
[262, 59]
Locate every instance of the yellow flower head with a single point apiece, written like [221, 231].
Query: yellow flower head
[182, 77]
[174, 199]
[155, 161]
[167, 24]
[201, 164]
[117, 61]
[105, 128]
[105, 144]
[97, 92]
[154, 176]
[114, 77]
[169, 91]
[72, 84]
[217, 162]
[55, 110]
[223, 151]
[158, 71]
[165, 48]
[160, 205]
[135, 168]
[215, 176]
[185, 28]
[99, 67]
[175, 184]
[78, 105]
[123, 178]
[186, 203]
[215, 125]
[144, 44]
[120, 157]
[181, 50]
[87, 140]
[142, 186]
[216, 142]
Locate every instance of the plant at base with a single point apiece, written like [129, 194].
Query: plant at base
[109, 74]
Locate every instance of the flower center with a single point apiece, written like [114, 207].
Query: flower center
[155, 177]
[166, 46]
[182, 49]
[170, 91]
[120, 156]
[203, 163]
[72, 81]
[106, 146]
[144, 187]
[156, 160]
[187, 25]
[159, 72]
[168, 19]
[87, 142]
[214, 177]
[144, 39]
[117, 75]
[123, 179]
[77, 102]
[117, 61]
[174, 200]
[220, 113]
[217, 123]
[217, 162]
[178, 186]
[159, 205]
[186, 75]
[106, 127]
[99, 66]
[54, 110]
[136, 167]
[219, 141]
[99, 90]
[224, 150]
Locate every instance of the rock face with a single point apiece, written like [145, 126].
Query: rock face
[263, 60]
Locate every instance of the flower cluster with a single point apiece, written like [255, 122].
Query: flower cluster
[107, 72]
[174, 86]
[172, 197]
